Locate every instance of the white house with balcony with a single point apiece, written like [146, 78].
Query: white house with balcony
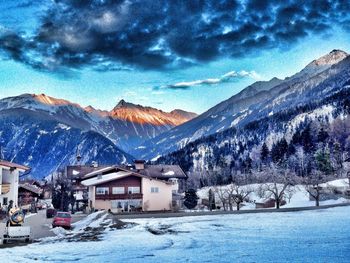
[9, 178]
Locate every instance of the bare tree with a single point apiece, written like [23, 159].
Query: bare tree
[312, 185]
[61, 192]
[222, 195]
[237, 194]
[278, 184]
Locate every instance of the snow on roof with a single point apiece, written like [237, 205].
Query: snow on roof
[75, 172]
[105, 169]
[13, 165]
[169, 173]
[105, 178]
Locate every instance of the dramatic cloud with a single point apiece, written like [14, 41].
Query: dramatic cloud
[163, 34]
[230, 76]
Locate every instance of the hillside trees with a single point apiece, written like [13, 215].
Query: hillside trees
[320, 143]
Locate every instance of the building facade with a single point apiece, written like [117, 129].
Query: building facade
[138, 187]
[9, 178]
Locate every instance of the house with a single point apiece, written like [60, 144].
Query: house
[76, 174]
[121, 188]
[9, 178]
[27, 193]
[268, 203]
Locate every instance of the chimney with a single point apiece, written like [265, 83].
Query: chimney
[139, 164]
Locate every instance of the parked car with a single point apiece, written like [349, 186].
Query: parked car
[50, 212]
[62, 219]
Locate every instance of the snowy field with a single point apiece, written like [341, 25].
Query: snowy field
[299, 195]
[309, 236]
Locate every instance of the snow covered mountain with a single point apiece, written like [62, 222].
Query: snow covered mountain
[307, 118]
[45, 133]
[35, 139]
[127, 125]
[146, 115]
[260, 99]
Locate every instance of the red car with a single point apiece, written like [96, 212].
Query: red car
[62, 219]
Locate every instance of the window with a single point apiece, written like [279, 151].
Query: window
[118, 190]
[154, 189]
[63, 215]
[102, 190]
[133, 189]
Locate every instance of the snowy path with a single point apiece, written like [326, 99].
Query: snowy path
[308, 236]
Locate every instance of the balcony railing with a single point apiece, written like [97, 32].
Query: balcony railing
[118, 196]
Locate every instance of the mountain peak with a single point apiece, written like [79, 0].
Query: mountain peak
[124, 104]
[89, 108]
[143, 114]
[329, 59]
[121, 103]
[47, 100]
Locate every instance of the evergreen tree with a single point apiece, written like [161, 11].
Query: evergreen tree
[279, 151]
[322, 135]
[291, 149]
[264, 154]
[323, 162]
[306, 140]
[191, 199]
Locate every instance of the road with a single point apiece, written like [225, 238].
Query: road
[40, 225]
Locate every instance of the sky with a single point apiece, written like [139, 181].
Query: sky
[166, 54]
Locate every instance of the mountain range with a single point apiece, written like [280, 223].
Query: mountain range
[130, 130]
[262, 98]
[54, 130]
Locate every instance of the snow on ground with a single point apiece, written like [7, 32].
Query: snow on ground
[337, 183]
[87, 221]
[300, 197]
[59, 231]
[308, 236]
[102, 219]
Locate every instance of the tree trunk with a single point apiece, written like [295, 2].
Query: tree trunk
[277, 204]
[238, 206]
[224, 205]
[317, 200]
[62, 198]
[231, 206]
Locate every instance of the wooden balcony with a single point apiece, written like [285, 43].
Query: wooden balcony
[5, 188]
[118, 197]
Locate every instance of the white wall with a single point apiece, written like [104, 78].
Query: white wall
[156, 201]
[12, 178]
[91, 196]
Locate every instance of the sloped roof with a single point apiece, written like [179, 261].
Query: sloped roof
[14, 165]
[79, 171]
[160, 171]
[105, 178]
[31, 188]
[100, 171]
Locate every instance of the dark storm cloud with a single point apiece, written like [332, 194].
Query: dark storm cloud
[150, 34]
